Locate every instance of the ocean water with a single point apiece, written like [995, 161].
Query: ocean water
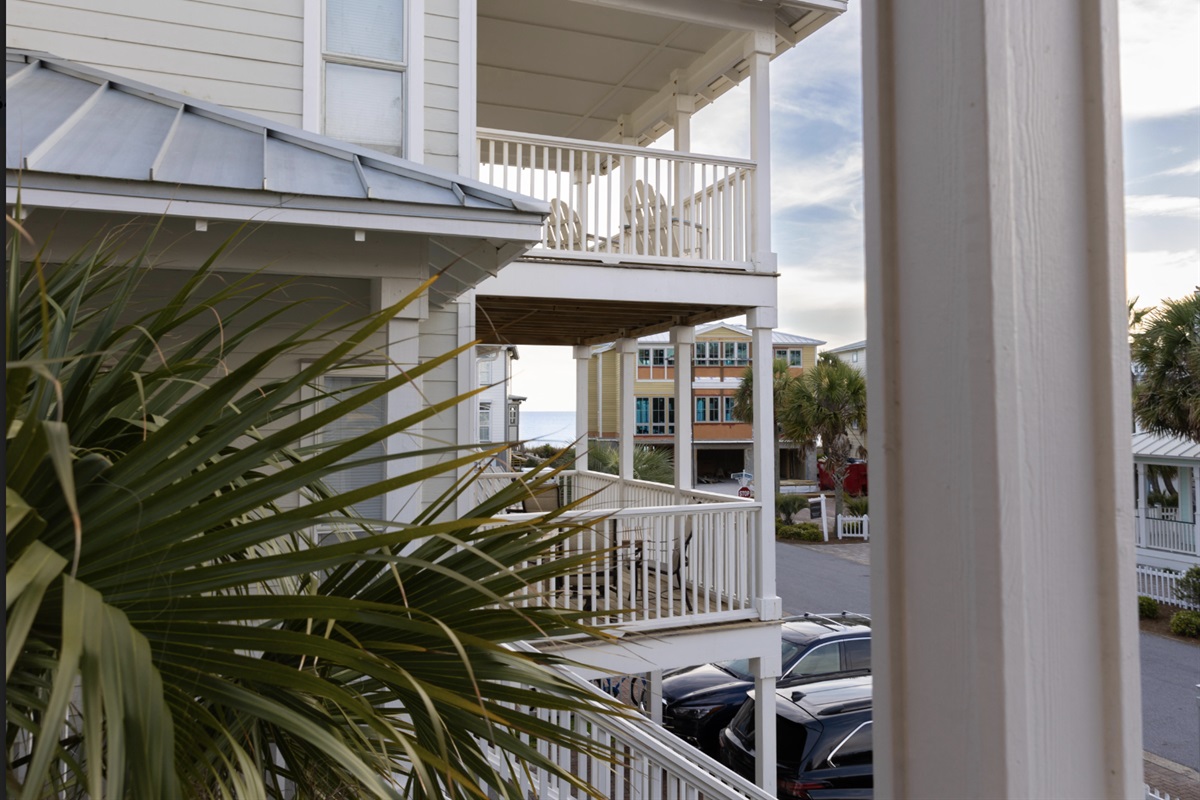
[548, 427]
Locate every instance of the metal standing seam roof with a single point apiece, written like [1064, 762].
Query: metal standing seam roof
[1155, 446]
[777, 337]
[848, 347]
[66, 119]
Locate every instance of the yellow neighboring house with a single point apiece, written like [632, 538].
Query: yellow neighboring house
[722, 444]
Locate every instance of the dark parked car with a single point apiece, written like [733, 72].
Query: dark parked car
[699, 701]
[823, 740]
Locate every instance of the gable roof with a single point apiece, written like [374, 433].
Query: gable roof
[846, 348]
[85, 139]
[777, 337]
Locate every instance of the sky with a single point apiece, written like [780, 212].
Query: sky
[817, 180]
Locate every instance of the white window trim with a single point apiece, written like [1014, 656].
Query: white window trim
[312, 94]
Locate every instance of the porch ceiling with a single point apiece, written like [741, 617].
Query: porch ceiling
[549, 321]
[572, 69]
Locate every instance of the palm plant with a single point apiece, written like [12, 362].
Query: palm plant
[1166, 397]
[176, 629]
[826, 402]
[649, 463]
[743, 406]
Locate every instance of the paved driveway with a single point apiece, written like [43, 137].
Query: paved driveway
[837, 578]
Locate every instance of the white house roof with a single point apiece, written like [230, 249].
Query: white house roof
[846, 348]
[66, 119]
[85, 140]
[1163, 447]
[777, 337]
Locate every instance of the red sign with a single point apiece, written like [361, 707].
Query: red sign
[745, 492]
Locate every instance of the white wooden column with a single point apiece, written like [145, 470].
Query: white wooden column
[1005, 642]
[761, 49]
[683, 338]
[766, 672]
[403, 338]
[627, 353]
[761, 321]
[1140, 501]
[583, 357]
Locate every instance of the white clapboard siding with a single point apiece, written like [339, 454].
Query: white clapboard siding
[441, 83]
[245, 56]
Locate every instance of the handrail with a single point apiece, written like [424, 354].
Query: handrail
[609, 147]
[661, 758]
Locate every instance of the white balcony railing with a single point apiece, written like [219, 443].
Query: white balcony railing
[647, 763]
[617, 202]
[1171, 535]
[660, 556]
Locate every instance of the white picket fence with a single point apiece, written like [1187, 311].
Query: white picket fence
[853, 527]
[1155, 794]
[1160, 584]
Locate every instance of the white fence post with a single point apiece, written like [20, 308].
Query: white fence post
[824, 519]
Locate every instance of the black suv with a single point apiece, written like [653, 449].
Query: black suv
[699, 701]
[823, 736]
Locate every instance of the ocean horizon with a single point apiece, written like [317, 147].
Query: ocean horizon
[548, 427]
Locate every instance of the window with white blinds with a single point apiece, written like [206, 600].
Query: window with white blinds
[362, 420]
[364, 69]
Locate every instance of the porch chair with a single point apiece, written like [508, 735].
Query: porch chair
[564, 230]
[648, 222]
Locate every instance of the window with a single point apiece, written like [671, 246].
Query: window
[708, 409]
[729, 354]
[729, 403]
[854, 357]
[795, 358]
[654, 416]
[821, 660]
[485, 422]
[485, 373]
[366, 418]
[364, 65]
[514, 415]
[657, 359]
[857, 653]
[857, 748]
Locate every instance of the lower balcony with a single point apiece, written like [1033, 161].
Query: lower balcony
[661, 557]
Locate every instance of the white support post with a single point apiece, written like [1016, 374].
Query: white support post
[761, 322]
[403, 353]
[654, 695]
[1140, 500]
[761, 50]
[467, 413]
[994, 225]
[683, 338]
[583, 357]
[627, 352]
[766, 672]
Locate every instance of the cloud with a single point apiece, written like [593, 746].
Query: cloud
[1184, 169]
[1162, 205]
[1155, 275]
[1160, 57]
[834, 180]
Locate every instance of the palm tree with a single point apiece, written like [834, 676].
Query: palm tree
[649, 463]
[1166, 351]
[743, 405]
[175, 627]
[826, 402]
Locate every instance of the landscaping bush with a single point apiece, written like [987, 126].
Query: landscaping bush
[1147, 608]
[804, 532]
[787, 505]
[856, 506]
[1186, 623]
[1188, 587]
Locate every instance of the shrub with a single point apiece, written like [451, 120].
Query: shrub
[1186, 623]
[804, 532]
[856, 506]
[1187, 588]
[787, 505]
[1147, 608]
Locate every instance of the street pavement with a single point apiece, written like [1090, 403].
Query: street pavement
[836, 577]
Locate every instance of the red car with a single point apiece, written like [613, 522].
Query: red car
[856, 478]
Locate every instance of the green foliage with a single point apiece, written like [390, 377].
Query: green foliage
[1162, 499]
[803, 532]
[1166, 396]
[1186, 623]
[857, 505]
[175, 626]
[787, 505]
[1147, 607]
[649, 463]
[826, 402]
[1187, 588]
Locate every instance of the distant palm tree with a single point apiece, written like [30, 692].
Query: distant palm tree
[649, 463]
[826, 402]
[1166, 352]
[177, 628]
[743, 407]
